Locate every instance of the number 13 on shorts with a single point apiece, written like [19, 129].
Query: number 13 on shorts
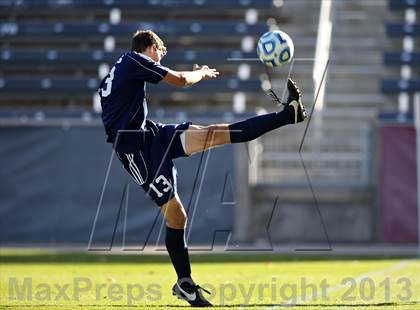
[163, 183]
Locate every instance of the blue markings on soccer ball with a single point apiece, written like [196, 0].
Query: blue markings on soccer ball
[269, 47]
[285, 55]
[279, 37]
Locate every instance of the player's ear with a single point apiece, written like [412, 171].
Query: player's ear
[148, 49]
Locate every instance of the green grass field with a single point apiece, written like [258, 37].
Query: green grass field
[41, 280]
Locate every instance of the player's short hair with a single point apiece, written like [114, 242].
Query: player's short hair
[142, 39]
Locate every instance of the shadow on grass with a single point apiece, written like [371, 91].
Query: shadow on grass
[162, 257]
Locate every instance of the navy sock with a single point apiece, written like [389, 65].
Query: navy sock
[178, 251]
[256, 126]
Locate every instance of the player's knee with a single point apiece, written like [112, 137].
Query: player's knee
[178, 221]
[180, 218]
[175, 215]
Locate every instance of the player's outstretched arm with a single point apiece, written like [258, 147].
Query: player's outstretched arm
[188, 78]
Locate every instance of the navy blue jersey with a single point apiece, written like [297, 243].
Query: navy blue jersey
[123, 92]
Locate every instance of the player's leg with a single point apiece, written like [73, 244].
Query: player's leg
[176, 220]
[153, 169]
[201, 138]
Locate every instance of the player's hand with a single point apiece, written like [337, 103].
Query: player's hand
[198, 67]
[209, 73]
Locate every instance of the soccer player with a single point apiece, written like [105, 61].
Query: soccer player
[146, 149]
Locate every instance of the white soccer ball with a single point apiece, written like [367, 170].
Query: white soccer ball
[275, 48]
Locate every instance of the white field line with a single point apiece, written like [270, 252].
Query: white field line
[401, 264]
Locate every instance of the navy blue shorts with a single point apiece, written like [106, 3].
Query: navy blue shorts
[149, 159]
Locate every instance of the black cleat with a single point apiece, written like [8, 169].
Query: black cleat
[294, 103]
[187, 290]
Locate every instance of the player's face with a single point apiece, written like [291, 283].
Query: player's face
[158, 53]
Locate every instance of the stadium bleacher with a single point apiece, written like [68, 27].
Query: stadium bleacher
[392, 86]
[144, 4]
[34, 86]
[403, 63]
[92, 58]
[97, 30]
[403, 4]
[401, 58]
[61, 49]
[396, 30]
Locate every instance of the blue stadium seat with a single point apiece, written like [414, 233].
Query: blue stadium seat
[57, 56]
[24, 57]
[134, 4]
[404, 4]
[401, 58]
[395, 86]
[397, 30]
[82, 30]
[33, 86]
